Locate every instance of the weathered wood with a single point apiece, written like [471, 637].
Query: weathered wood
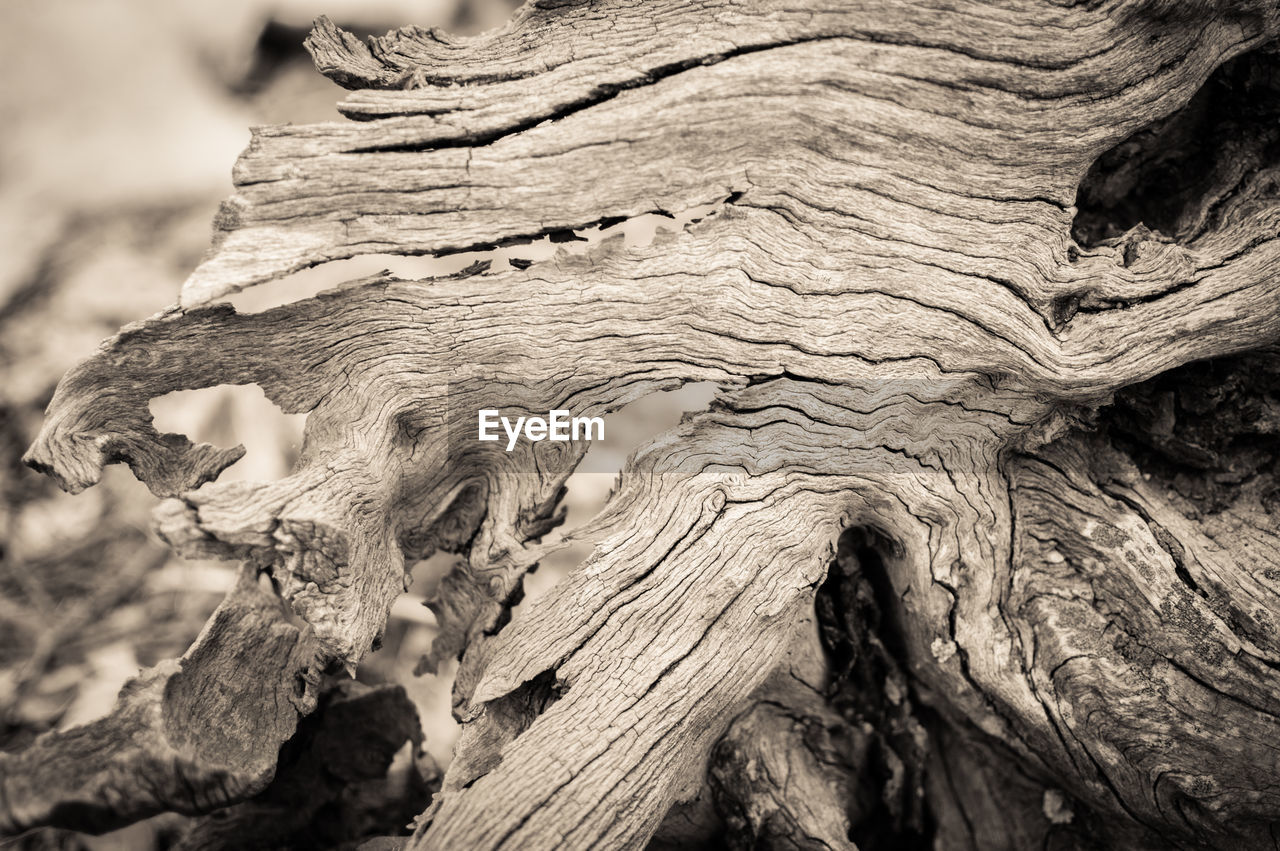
[901, 321]
[190, 735]
[332, 785]
[784, 771]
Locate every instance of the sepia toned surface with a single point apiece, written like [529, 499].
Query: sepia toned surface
[959, 501]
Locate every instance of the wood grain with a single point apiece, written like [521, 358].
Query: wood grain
[901, 323]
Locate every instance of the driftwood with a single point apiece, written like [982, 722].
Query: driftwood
[946, 235]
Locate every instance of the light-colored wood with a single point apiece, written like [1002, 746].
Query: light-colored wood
[891, 300]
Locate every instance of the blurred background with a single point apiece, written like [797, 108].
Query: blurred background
[123, 120]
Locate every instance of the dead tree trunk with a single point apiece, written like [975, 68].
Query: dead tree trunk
[975, 548]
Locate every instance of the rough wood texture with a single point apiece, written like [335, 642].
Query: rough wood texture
[189, 735]
[782, 771]
[901, 321]
[333, 785]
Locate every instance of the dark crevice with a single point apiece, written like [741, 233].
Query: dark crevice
[923, 780]
[537, 695]
[1176, 176]
[514, 713]
[859, 621]
[1206, 436]
[1208, 431]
